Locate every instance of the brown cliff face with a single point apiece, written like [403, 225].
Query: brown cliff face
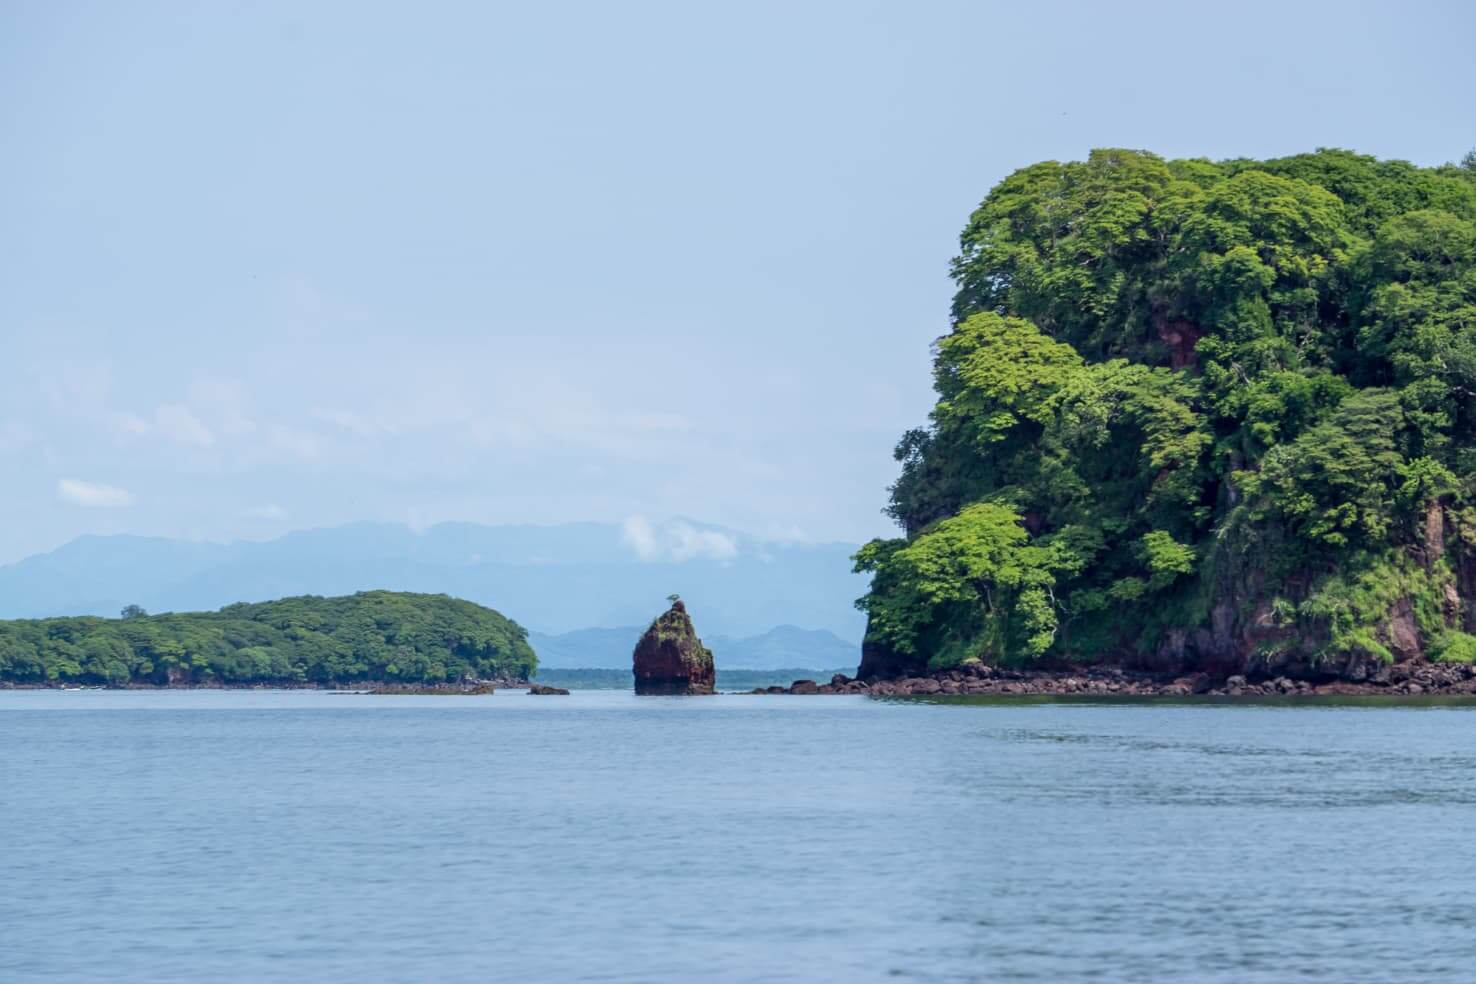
[670, 659]
[1242, 634]
[877, 660]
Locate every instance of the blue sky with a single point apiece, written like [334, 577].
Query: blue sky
[277, 265]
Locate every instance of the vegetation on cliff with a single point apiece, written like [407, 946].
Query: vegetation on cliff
[670, 659]
[371, 636]
[1199, 414]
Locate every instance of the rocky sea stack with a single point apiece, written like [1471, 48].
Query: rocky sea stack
[670, 659]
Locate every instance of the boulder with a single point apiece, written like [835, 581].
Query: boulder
[544, 689]
[1194, 683]
[1402, 633]
[670, 659]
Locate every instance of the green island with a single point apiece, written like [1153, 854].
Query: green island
[370, 637]
[1196, 416]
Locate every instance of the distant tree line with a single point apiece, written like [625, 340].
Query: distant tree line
[371, 636]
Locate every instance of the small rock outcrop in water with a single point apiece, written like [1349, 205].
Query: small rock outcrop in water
[544, 690]
[670, 659]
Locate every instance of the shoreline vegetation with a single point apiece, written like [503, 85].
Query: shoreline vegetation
[373, 638]
[1196, 418]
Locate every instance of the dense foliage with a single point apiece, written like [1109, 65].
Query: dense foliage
[1180, 397]
[374, 635]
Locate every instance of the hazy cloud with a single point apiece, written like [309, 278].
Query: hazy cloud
[676, 541]
[93, 495]
[691, 543]
[132, 423]
[180, 425]
[355, 423]
[784, 535]
[223, 402]
[173, 421]
[506, 431]
[269, 510]
[637, 534]
[299, 444]
[652, 421]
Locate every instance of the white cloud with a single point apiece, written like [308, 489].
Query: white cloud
[637, 534]
[268, 510]
[676, 541]
[177, 423]
[692, 543]
[93, 495]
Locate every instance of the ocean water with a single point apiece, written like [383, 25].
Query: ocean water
[302, 836]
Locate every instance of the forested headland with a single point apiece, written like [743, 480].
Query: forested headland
[1196, 415]
[373, 636]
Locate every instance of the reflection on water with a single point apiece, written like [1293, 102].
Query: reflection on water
[602, 837]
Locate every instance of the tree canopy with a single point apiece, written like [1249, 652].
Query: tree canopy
[370, 636]
[1172, 385]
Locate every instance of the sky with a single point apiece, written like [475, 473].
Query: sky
[269, 266]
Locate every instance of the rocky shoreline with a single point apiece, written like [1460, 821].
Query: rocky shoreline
[1411, 678]
[462, 687]
[1408, 679]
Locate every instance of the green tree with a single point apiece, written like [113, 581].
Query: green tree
[1178, 386]
[374, 635]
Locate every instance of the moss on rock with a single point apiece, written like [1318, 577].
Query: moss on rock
[671, 659]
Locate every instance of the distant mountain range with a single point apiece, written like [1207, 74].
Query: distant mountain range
[784, 647]
[552, 579]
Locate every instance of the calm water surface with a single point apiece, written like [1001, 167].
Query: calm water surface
[602, 837]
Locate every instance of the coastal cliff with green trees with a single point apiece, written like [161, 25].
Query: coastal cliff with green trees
[374, 636]
[1196, 415]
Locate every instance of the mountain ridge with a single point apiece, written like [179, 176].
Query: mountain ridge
[554, 579]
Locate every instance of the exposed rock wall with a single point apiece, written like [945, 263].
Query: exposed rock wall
[670, 659]
[877, 660]
[1243, 635]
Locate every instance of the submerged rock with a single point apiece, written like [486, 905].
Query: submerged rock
[670, 659]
